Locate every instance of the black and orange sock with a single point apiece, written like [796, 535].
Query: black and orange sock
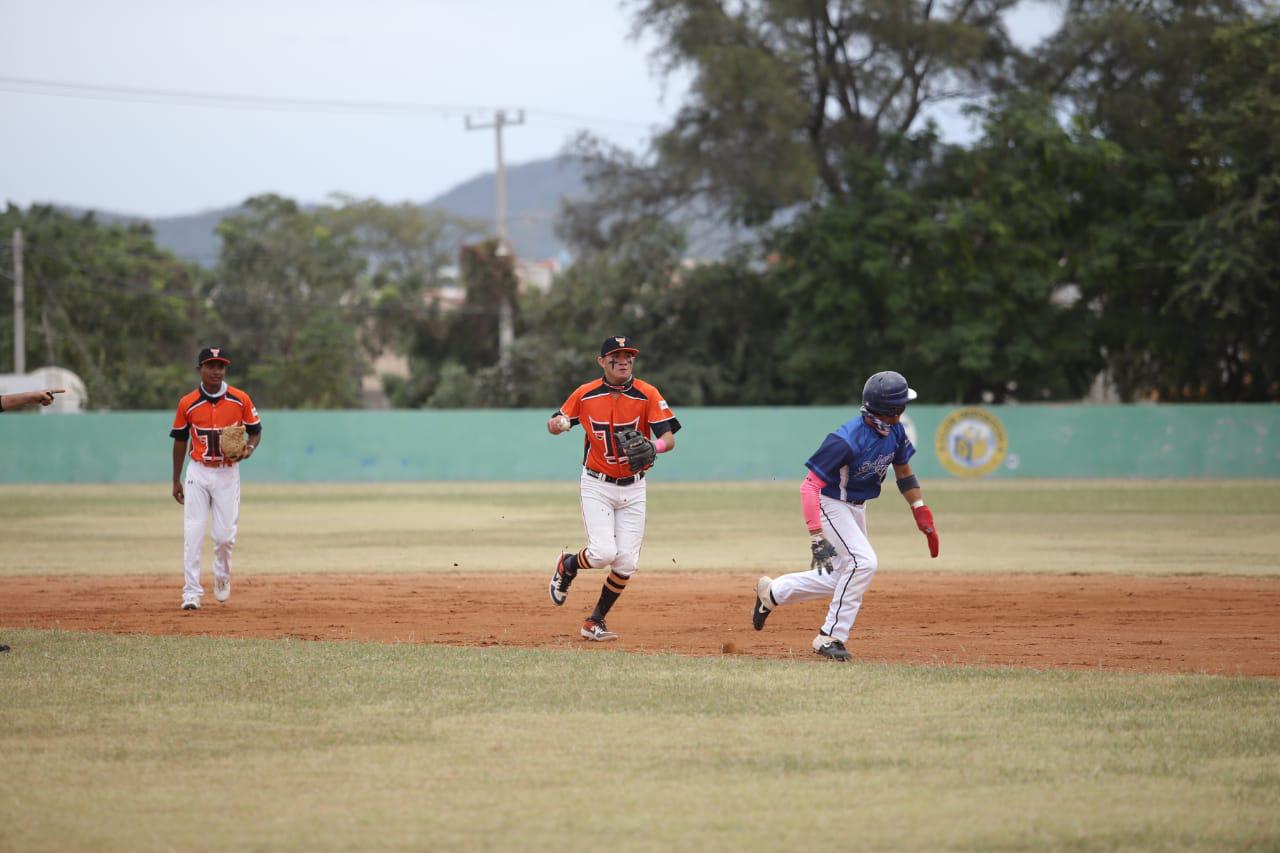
[614, 584]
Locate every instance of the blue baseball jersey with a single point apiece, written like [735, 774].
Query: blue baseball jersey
[854, 460]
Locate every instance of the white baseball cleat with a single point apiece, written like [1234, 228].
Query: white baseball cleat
[190, 602]
[560, 581]
[594, 629]
[221, 589]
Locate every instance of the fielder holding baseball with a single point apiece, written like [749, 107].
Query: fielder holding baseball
[618, 414]
[845, 473]
[208, 418]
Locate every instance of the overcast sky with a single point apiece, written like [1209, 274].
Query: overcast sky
[116, 139]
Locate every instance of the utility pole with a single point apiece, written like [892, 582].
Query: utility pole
[506, 312]
[19, 321]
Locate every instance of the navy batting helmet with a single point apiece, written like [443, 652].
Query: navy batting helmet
[887, 393]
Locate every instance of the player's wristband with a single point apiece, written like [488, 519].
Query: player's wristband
[916, 504]
[660, 445]
[907, 483]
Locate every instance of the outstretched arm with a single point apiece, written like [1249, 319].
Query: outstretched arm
[23, 399]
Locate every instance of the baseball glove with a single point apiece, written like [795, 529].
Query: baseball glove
[233, 440]
[823, 553]
[638, 450]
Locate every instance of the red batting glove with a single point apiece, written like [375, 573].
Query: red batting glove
[924, 520]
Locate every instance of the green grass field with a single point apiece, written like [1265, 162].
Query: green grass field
[159, 743]
[205, 743]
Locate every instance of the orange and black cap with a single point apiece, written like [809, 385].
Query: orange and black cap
[619, 343]
[213, 354]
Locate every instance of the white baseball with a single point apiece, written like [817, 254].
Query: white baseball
[562, 423]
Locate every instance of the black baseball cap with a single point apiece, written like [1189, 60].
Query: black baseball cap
[618, 343]
[213, 354]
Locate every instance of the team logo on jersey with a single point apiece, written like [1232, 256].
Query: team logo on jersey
[212, 442]
[971, 442]
[875, 466]
[600, 429]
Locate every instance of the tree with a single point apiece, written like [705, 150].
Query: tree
[784, 92]
[406, 248]
[488, 274]
[453, 351]
[1180, 258]
[1230, 264]
[105, 303]
[949, 264]
[285, 290]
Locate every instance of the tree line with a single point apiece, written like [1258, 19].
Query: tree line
[1115, 219]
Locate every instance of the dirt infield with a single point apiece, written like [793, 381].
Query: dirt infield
[1227, 626]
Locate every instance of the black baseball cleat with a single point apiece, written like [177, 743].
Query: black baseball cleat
[831, 649]
[764, 603]
[560, 581]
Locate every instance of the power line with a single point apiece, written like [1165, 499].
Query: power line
[221, 99]
[93, 91]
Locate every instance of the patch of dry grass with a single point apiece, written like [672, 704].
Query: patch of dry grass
[1001, 526]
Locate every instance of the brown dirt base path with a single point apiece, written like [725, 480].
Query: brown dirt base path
[1228, 626]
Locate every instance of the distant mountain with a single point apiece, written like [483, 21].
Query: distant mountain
[193, 237]
[534, 192]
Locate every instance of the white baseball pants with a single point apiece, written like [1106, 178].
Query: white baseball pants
[845, 526]
[614, 518]
[210, 493]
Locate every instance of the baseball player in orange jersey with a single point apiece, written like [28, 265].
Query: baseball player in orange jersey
[612, 490]
[212, 481]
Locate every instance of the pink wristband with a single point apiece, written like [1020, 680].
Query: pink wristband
[660, 446]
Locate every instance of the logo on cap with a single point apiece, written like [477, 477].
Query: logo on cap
[621, 342]
[212, 354]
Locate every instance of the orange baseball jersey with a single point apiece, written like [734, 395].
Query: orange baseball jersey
[201, 417]
[602, 409]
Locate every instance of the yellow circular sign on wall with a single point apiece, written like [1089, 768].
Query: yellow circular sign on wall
[971, 442]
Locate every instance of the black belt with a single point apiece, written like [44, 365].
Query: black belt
[617, 481]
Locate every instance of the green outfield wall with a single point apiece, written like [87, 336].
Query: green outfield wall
[1137, 441]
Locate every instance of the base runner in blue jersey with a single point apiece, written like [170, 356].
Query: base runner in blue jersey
[844, 473]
